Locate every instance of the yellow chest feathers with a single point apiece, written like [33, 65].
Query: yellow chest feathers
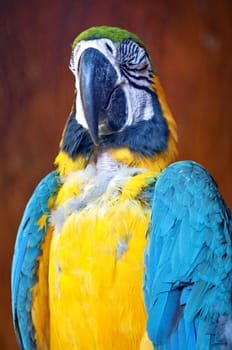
[96, 261]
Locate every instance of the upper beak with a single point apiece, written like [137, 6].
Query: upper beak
[97, 82]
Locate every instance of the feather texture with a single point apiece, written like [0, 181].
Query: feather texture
[96, 259]
[188, 262]
[30, 237]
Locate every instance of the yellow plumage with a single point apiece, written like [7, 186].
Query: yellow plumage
[40, 302]
[96, 264]
[66, 164]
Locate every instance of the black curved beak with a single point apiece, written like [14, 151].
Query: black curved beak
[97, 83]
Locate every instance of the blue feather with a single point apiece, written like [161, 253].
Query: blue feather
[188, 262]
[24, 265]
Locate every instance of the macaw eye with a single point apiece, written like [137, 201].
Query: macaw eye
[109, 48]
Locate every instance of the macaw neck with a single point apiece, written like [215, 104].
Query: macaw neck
[102, 176]
[105, 162]
[108, 161]
[117, 172]
[112, 159]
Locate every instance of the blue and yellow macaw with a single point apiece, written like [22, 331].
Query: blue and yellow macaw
[113, 251]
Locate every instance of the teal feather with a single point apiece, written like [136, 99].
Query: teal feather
[188, 262]
[27, 250]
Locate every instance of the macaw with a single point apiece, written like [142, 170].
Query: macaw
[117, 249]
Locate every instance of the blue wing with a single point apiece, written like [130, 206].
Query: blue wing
[188, 262]
[27, 250]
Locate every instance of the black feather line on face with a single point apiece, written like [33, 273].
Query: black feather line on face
[130, 53]
[130, 75]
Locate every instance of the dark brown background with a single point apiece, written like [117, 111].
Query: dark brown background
[190, 42]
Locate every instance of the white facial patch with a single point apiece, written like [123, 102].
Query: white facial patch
[139, 104]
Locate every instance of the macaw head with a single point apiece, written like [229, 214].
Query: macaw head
[118, 102]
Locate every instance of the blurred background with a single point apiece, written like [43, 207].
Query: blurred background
[190, 42]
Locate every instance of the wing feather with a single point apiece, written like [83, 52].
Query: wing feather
[188, 261]
[27, 250]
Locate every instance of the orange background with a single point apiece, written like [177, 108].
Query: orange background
[190, 42]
